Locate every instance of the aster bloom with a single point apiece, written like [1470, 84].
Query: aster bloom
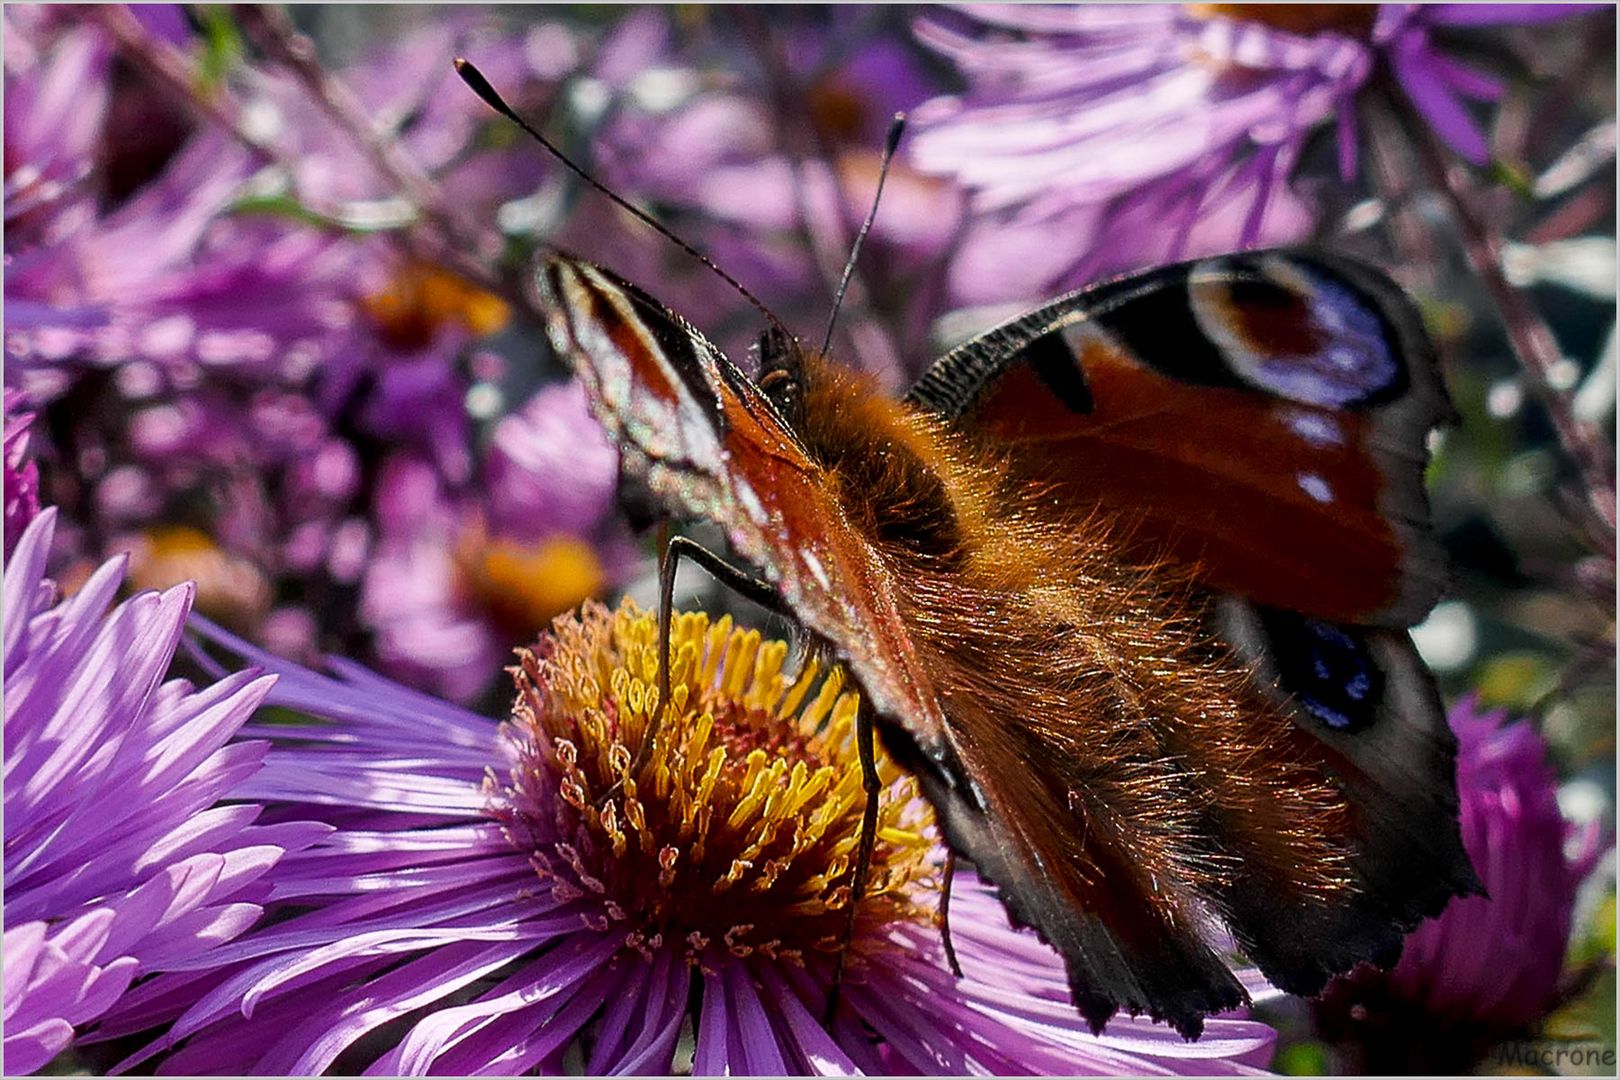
[1488, 967]
[458, 577]
[1130, 127]
[482, 892]
[96, 899]
[249, 353]
[56, 99]
[156, 276]
[399, 376]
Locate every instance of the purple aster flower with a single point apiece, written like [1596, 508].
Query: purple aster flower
[96, 899]
[176, 277]
[459, 576]
[22, 475]
[279, 488]
[1125, 127]
[157, 275]
[479, 908]
[228, 366]
[164, 280]
[1490, 966]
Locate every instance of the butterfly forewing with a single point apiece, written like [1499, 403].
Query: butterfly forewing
[732, 461]
[1261, 418]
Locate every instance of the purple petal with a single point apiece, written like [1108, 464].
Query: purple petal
[1467, 81]
[33, 1048]
[619, 1024]
[312, 1046]
[22, 949]
[761, 1052]
[653, 1050]
[197, 931]
[220, 1052]
[712, 1056]
[818, 1053]
[1348, 144]
[388, 942]
[1502, 14]
[25, 569]
[515, 1043]
[1434, 100]
[562, 971]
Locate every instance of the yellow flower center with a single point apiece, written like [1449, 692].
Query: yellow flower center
[1353, 20]
[740, 831]
[421, 300]
[520, 588]
[230, 590]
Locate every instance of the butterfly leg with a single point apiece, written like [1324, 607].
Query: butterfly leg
[945, 913]
[863, 854]
[738, 581]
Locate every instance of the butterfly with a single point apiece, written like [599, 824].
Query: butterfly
[1126, 583]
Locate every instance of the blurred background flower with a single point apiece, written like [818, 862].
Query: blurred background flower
[1490, 967]
[22, 475]
[454, 582]
[1155, 132]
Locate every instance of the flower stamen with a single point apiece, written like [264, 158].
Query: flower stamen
[739, 831]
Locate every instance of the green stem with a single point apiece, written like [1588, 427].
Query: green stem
[1532, 340]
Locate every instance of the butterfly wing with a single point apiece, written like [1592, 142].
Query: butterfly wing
[1371, 704]
[1262, 418]
[705, 442]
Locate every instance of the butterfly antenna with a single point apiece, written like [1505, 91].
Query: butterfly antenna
[480, 86]
[896, 127]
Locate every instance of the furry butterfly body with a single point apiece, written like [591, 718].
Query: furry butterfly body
[1066, 625]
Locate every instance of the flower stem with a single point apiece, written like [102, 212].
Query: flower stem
[1532, 340]
[272, 30]
[169, 69]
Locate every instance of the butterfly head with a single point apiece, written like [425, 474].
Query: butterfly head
[646, 365]
[781, 373]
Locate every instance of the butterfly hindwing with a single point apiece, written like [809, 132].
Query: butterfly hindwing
[1367, 697]
[1262, 418]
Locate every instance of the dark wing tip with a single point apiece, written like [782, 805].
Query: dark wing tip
[1179, 980]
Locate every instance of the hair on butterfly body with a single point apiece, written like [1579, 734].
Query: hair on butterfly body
[1127, 739]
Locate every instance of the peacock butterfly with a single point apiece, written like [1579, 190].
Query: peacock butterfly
[1126, 583]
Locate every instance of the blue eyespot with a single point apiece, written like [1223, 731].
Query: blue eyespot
[1328, 669]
